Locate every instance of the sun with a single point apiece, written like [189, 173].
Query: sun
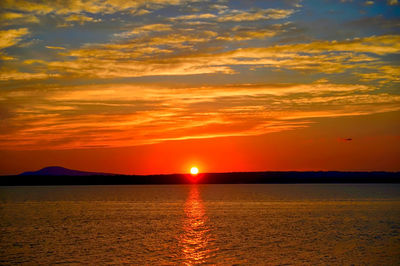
[194, 170]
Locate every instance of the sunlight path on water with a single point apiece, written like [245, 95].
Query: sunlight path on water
[196, 240]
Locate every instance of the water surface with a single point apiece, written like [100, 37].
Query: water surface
[189, 224]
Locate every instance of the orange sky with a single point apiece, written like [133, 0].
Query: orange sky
[157, 86]
[374, 146]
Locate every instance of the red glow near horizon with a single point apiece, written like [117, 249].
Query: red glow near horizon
[193, 177]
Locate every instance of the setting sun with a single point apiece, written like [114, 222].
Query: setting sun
[194, 170]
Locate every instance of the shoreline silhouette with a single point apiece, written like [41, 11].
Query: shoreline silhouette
[64, 176]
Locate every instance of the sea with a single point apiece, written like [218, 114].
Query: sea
[241, 224]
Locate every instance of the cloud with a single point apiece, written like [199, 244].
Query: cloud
[141, 12]
[380, 45]
[234, 15]
[201, 94]
[11, 37]
[384, 74]
[106, 115]
[8, 74]
[255, 14]
[195, 16]
[130, 60]
[80, 6]
[111, 69]
[150, 28]
[81, 19]
[13, 18]
[55, 47]
[5, 57]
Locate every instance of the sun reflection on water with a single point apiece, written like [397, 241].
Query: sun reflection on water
[196, 240]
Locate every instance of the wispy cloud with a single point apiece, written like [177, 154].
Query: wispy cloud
[81, 19]
[150, 28]
[80, 6]
[55, 47]
[106, 115]
[11, 37]
[195, 16]
[9, 74]
[15, 18]
[126, 60]
[255, 14]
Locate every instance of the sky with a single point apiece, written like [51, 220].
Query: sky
[156, 86]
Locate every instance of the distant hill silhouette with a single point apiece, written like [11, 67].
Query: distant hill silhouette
[60, 171]
[56, 175]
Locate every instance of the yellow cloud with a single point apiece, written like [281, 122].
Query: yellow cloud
[241, 15]
[248, 35]
[13, 18]
[81, 19]
[142, 46]
[11, 37]
[79, 6]
[10, 15]
[6, 57]
[55, 47]
[141, 12]
[384, 44]
[104, 61]
[385, 74]
[258, 14]
[137, 58]
[145, 29]
[189, 95]
[110, 69]
[8, 74]
[196, 16]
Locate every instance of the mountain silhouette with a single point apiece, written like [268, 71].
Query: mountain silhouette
[60, 171]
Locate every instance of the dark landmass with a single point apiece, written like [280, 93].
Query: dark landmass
[63, 176]
[61, 171]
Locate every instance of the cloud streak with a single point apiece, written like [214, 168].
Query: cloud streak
[129, 59]
[11, 37]
[118, 115]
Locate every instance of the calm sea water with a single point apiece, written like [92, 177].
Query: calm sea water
[190, 224]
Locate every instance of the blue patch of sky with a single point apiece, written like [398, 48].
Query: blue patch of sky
[75, 36]
[325, 19]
